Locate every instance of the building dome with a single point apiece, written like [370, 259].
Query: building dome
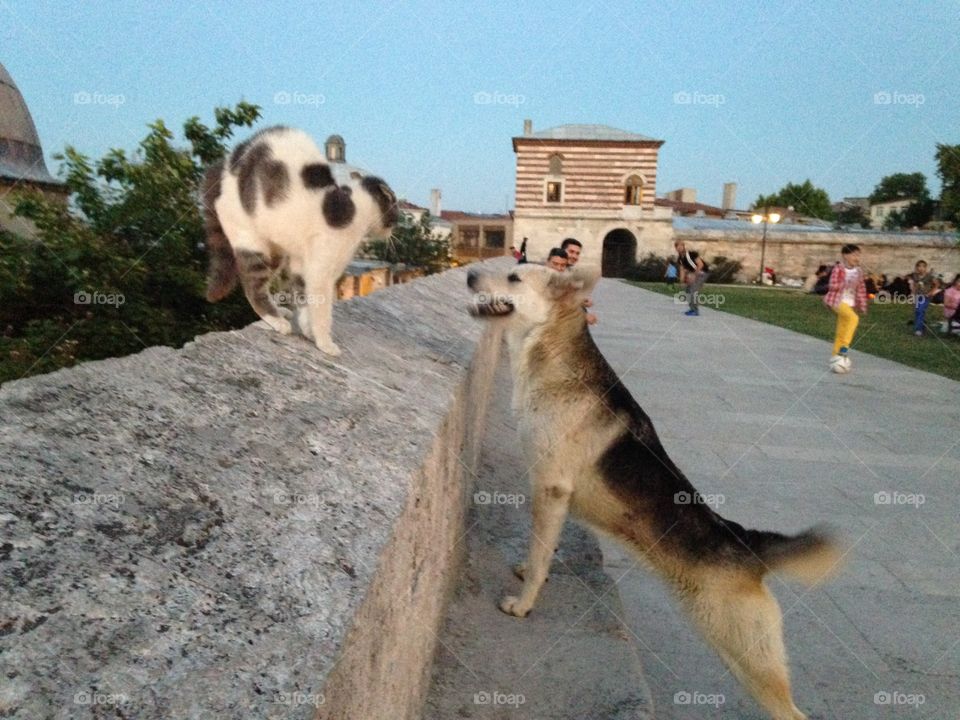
[21, 157]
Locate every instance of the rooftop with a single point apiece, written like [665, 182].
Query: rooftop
[21, 157]
[602, 133]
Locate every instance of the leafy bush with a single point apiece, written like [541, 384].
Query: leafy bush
[413, 243]
[121, 266]
[723, 270]
[651, 268]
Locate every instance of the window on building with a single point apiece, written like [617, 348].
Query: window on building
[633, 192]
[556, 164]
[495, 238]
[554, 191]
[469, 236]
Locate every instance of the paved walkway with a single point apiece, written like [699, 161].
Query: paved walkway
[749, 413]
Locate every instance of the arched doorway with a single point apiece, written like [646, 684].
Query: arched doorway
[619, 253]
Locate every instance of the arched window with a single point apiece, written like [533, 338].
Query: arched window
[335, 149]
[556, 164]
[633, 190]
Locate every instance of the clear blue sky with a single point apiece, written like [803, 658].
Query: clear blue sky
[778, 91]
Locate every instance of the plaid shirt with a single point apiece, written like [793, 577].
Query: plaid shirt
[838, 281]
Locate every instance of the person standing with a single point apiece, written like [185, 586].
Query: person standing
[693, 274]
[922, 287]
[846, 296]
[951, 304]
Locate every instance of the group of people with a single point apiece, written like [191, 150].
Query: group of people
[561, 259]
[847, 293]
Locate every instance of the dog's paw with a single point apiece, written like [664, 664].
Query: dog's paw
[520, 570]
[280, 324]
[512, 606]
[329, 347]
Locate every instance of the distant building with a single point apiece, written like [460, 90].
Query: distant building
[592, 183]
[478, 236]
[879, 212]
[21, 157]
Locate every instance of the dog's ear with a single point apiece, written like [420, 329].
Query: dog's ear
[588, 275]
[562, 285]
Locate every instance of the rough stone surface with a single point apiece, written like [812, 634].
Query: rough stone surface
[197, 533]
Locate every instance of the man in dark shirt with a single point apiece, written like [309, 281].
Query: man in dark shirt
[693, 273]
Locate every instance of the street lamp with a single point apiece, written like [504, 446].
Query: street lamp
[766, 217]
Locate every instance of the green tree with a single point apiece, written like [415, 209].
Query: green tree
[900, 186]
[805, 198]
[948, 168]
[853, 215]
[122, 265]
[413, 243]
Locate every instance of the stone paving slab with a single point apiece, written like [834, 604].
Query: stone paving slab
[750, 412]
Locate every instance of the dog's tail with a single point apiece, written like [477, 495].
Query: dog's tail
[222, 273]
[811, 557]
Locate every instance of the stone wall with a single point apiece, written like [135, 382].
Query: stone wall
[242, 528]
[799, 253]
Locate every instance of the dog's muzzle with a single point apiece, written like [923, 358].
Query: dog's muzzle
[491, 306]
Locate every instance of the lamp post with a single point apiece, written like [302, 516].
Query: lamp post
[765, 218]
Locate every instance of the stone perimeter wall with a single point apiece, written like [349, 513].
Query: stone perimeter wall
[243, 528]
[798, 254]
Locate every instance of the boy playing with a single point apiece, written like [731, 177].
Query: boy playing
[846, 295]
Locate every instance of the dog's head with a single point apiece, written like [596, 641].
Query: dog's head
[528, 294]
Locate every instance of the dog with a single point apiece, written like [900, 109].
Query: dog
[594, 453]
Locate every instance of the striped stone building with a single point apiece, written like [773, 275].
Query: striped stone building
[593, 183]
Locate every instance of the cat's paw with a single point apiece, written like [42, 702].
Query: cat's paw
[280, 324]
[512, 606]
[329, 347]
[286, 313]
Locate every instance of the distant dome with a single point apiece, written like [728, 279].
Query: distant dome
[335, 149]
[21, 157]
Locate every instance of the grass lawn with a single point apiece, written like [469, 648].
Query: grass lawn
[882, 332]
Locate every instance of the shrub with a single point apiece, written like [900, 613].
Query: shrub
[122, 266]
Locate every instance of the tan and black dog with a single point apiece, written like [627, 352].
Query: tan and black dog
[595, 453]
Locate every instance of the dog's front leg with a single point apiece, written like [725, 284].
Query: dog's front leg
[550, 505]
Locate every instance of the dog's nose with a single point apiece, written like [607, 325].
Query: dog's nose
[472, 278]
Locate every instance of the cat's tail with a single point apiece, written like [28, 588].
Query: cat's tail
[222, 274]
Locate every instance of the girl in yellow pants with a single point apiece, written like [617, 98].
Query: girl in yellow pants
[847, 321]
[846, 295]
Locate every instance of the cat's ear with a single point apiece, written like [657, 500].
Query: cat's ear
[387, 192]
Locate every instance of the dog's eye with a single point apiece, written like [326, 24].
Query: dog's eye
[513, 277]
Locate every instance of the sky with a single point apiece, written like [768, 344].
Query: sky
[428, 94]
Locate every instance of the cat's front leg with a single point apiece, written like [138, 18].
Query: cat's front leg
[321, 294]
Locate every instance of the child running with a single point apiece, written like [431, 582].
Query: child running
[846, 295]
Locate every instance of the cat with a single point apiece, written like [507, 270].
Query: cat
[276, 203]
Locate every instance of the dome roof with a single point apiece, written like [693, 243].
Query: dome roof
[21, 157]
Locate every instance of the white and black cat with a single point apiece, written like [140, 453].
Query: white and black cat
[275, 202]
